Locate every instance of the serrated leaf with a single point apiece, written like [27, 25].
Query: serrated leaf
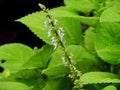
[110, 54]
[81, 5]
[107, 42]
[35, 22]
[41, 58]
[99, 77]
[111, 14]
[9, 85]
[69, 21]
[15, 55]
[110, 87]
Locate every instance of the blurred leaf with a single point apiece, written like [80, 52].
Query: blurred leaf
[9, 85]
[56, 72]
[30, 77]
[89, 39]
[99, 77]
[58, 84]
[15, 55]
[110, 87]
[90, 21]
[111, 14]
[82, 5]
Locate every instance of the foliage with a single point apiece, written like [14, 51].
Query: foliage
[95, 49]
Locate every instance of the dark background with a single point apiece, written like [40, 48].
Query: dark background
[11, 31]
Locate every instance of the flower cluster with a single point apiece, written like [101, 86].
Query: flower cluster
[61, 33]
[75, 75]
[57, 38]
[57, 33]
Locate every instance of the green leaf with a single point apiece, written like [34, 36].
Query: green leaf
[26, 74]
[81, 5]
[85, 61]
[31, 78]
[89, 39]
[56, 72]
[55, 67]
[15, 55]
[73, 34]
[41, 58]
[56, 58]
[66, 19]
[110, 54]
[35, 22]
[9, 85]
[107, 42]
[110, 87]
[69, 13]
[90, 21]
[64, 12]
[99, 77]
[111, 14]
[58, 84]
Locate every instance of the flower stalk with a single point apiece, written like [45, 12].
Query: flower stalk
[58, 39]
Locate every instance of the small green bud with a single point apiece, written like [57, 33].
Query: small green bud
[42, 6]
[36, 49]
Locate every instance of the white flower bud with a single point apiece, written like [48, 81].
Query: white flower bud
[49, 32]
[61, 33]
[64, 62]
[61, 36]
[45, 24]
[55, 22]
[54, 42]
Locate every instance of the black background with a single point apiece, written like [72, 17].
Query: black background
[11, 31]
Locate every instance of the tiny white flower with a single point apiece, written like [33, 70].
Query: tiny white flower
[45, 24]
[61, 36]
[61, 29]
[61, 33]
[55, 45]
[71, 56]
[55, 22]
[79, 73]
[49, 21]
[49, 33]
[64, 62]
[54, 42]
